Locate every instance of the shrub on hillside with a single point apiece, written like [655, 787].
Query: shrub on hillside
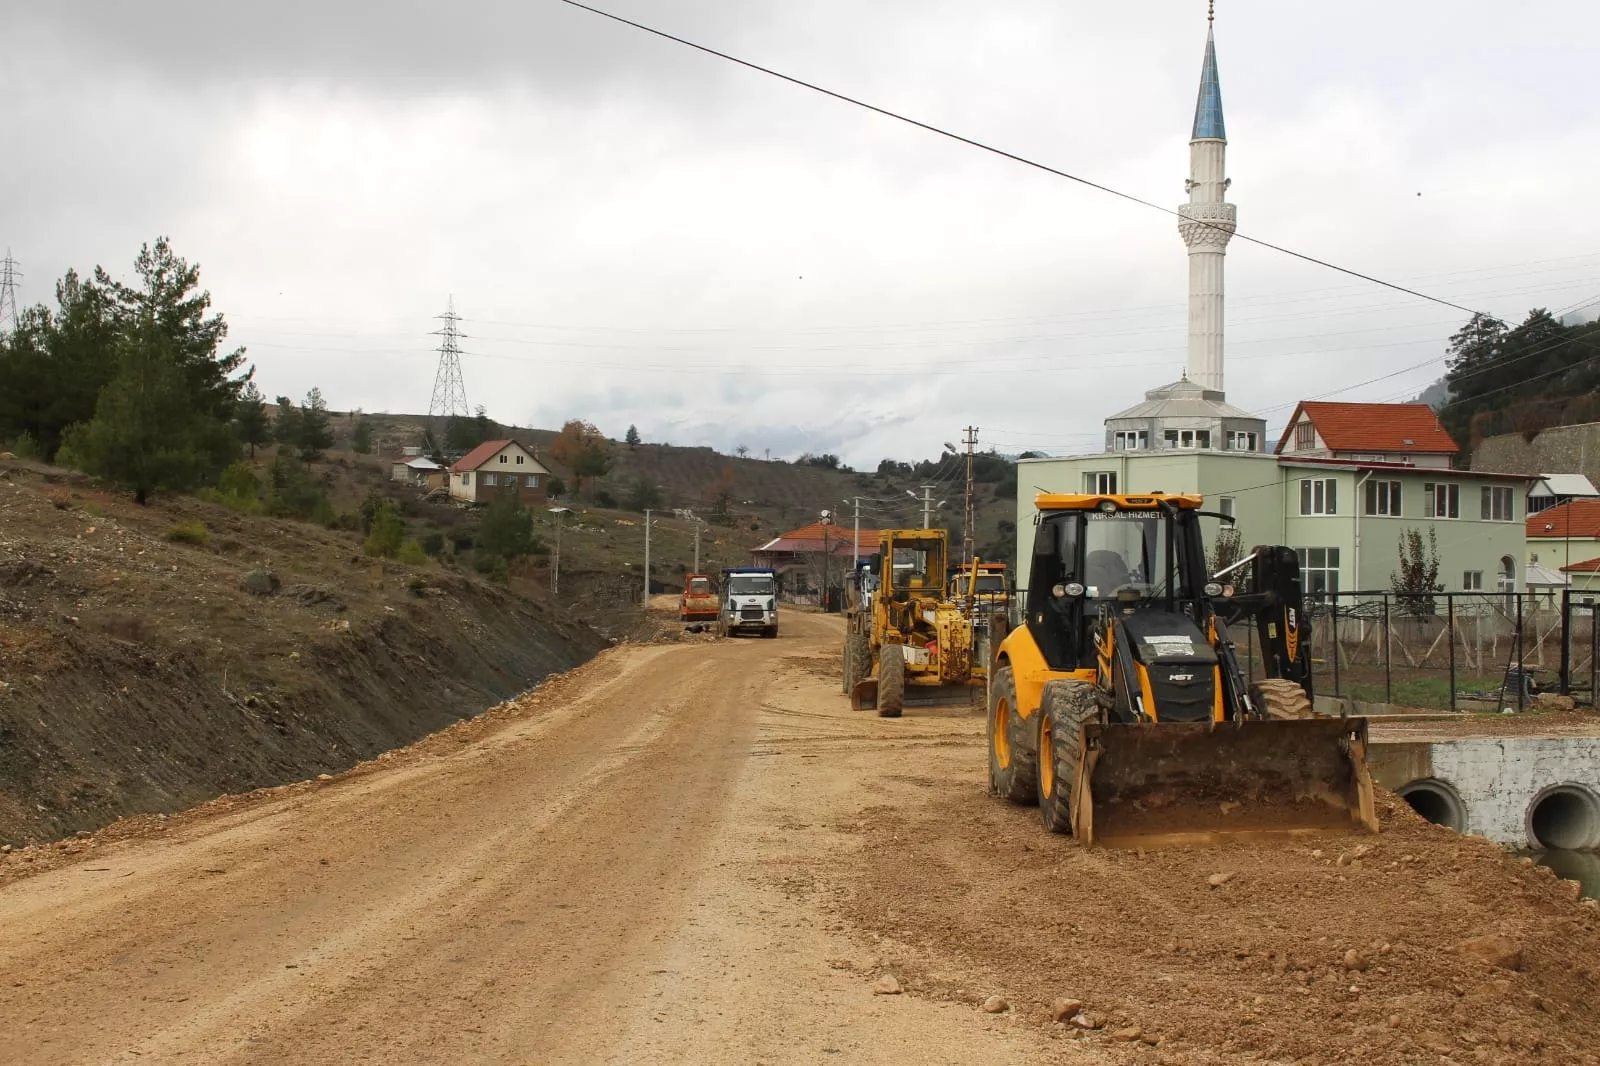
[432, 542]
[385, 533]
[189, 533]
[411, 554]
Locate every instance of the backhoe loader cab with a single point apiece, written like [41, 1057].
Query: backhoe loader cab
[1120, 706]
[911, 634]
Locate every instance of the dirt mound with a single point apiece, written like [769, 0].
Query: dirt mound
[137, 675]
[1343, 949]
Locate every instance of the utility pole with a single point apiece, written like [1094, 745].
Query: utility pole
[927, 507]
[827, 552]
[647, 558]
[697, 525]
[9, 276]
[855, 551]
[970, 440]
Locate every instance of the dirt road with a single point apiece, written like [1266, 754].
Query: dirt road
[695, 853]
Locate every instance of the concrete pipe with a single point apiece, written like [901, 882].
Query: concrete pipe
[1565, 816]
[1437, 801]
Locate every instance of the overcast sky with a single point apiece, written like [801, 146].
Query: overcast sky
[637, 233]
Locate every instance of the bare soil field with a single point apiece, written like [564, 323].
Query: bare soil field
[694, 852]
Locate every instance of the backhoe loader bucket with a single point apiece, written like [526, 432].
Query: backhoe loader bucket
[1190, 783]
[864, 694]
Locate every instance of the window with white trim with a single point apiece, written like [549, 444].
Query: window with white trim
[1319, 495]
[502, 457]
[1499, 505]
[1472, 581]
[1441, 500]
[1382, 499]
[1319, 569]
[466, 479]
[1100, 483]
[1225, 505]
[1241, 441]
[1305, 435]
[533, 481]
[519, 459]
[1132, 440]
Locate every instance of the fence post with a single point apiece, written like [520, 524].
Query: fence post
[1450, 638]
[1565, 683]
[1388, 682]
[1522, 667]
[1334, 599]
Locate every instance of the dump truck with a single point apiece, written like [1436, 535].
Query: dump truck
[1120, 708]
[912, 635]
[699, 607]
[749, 601]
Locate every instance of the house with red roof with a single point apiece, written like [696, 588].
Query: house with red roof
[1407, 433]
[498, 466]
[1566, 538]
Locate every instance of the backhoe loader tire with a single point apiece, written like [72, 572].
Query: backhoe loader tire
[891, 680]
[1013, 769]
[1281, 699]
[1064, 709]
[857, 659]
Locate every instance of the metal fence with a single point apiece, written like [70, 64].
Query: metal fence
[1454, 651]
[1458, 651]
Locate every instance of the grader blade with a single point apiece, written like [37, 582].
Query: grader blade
[1190, 783]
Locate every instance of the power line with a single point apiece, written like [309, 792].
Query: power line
[1024, 160]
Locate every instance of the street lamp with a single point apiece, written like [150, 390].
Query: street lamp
[827, 520]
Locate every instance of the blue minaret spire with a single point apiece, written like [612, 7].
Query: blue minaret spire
[1208, 108]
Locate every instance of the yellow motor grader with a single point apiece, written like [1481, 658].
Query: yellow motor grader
[1120, 708]
[909, 634]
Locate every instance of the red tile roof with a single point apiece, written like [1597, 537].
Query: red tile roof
[840, 540]
[1588, 566]
[480, 455]
[1576, 518]
[1375, 427]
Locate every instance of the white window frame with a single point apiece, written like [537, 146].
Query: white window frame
[1305, 434]
[1441, 499]
[466, 478]
[519, 458]
[1225, 505]
[1492, 497]
[1328, 568]
[1100, 482]
[488, 481]
[1319, 496]
[533, 481]
[1472, 581]
[1381, 499]
[502, 457]
[1241, 440]
[1131, 440]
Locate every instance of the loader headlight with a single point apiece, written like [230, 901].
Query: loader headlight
[1075, 589]
[1213, 589]
[1106, 507]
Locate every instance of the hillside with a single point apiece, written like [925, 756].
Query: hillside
[767, 497]
[138, 674]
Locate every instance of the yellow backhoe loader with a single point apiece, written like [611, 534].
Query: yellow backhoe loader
[1120, 708]
[911, 634]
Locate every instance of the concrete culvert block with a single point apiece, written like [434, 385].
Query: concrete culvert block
[1437, 801]
[1565, 816]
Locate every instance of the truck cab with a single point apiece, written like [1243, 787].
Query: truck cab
[749, 601]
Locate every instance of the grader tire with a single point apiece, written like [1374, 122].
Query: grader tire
[857, 659]
[1064, 709]
[891, 680]
[1281, 700]
[1012, 768]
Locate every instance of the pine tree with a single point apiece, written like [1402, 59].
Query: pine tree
[361, 441]
[167, 297]
[632, 439]
[315, 434]
[147, 433]
[250, 417]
